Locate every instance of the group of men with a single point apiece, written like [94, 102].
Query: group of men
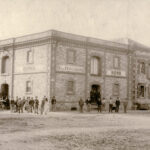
[114, 104]
[32, 105]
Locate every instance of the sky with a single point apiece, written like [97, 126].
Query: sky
[104, 19]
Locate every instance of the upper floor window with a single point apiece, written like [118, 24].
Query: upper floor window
[28, 86]
[116, 62]
[71, 56]
[116, 89]
[141, 67]
[70, 87]
[5, 64]
[95, 65]
[30, 56]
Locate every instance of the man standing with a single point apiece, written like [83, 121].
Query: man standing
[16, 103]
[99, 103]
[31, 104]
[81, 104]
[43, 104]
[110, 105]
[46, 106]
[53, 103]
[88, 104]
[19, 105]
[125, 104]
[7, 104]
[12, 104]
[103, 103]
[117, 104]
[36, 105]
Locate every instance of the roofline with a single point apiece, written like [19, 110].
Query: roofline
[69, 36]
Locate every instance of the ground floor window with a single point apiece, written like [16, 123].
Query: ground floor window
[28, 86]
[116, 89]
[70, 87]
[149, 91]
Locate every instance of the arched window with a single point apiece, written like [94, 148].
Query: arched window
[5, 64]
[95, 65]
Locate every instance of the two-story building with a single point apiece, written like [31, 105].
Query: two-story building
[69, 66]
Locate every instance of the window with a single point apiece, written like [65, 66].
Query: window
[30, 56]
[149, 91]
[140, 91]
[71, 56]
[149, 71]
[116, 62]
[95, 63]
[5, 64]
[116, 89]
[70, 87]
[28, 87]
[141, 67]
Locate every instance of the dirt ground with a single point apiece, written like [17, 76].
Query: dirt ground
[75, 131]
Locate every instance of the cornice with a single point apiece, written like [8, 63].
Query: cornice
[68, 39]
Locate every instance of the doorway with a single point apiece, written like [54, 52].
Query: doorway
[95, 93]
[141, 90]
[4, 90]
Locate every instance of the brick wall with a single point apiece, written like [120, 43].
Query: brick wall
[39, 60]
[35, 72]
[66, 101]
[39, 85]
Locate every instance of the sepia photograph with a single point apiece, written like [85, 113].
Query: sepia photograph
[75, 75]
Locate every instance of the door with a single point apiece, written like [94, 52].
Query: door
[4, 90]
[95, 93]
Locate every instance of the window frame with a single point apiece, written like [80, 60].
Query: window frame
[139, 68]
[27, 56]
[99, 66]
[4, 73]
[119, 65]
[139, 85]
[29, 92]
[148, 70]
[114, 89]
[74, 56]
[67, 87]
[149, 91]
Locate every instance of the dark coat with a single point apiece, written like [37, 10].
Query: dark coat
[99, 103]
[53, 101]
[117, 102]
[36, 102]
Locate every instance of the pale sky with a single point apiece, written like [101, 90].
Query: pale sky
[104, 19]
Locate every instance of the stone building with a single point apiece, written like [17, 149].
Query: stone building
[71, 66]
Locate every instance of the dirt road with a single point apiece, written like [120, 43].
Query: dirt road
[74, 131]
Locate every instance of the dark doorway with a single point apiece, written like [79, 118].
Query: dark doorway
[140, 90]
[4, 95]
[4, 90]
[95, 93]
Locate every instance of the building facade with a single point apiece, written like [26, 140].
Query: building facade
[69, 66]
